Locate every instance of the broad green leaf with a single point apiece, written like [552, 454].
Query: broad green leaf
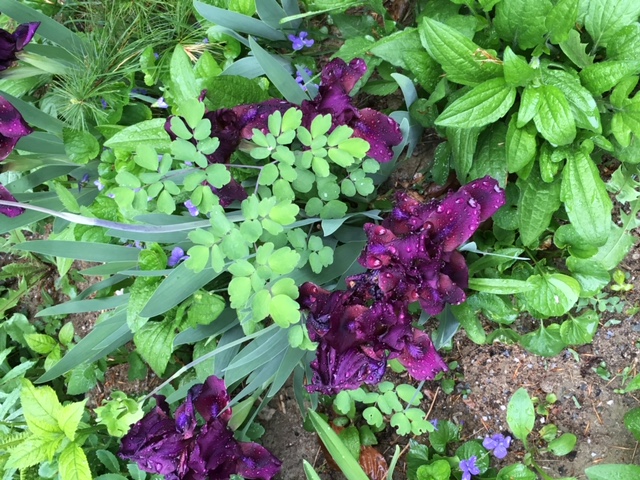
[348, 465]
[590, 274]
[483, 105]
[520, 414]
[149, 132]
[582, 104]
[586, 199]
[563, 444]
[516, 472]
[446, 433]
[613, 252]
[553, 117]
[603, 76]
[284, 310]
[73, 464]
[41, 409]
[579, 330]
[470, 322]
[606, 17]
[632, 420]
[154, 342]
[40, 343]
[517, 72]
[576, 51]
[438, 470]
[32, 451]
[561, 19]
[529, 105]
[490, 157]
[612, 472]
[80, 146]
[69, 418]
[389, 47]
[546, 341]
[463, 143]
[537, 204]
[522, 21]
[552, 295]
[521, 145]
[461, 59]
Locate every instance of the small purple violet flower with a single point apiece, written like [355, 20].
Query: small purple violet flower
[434, 422]
[498, 443]
[104, 103]
[469, 467]
[161, 103]
[301, 80]
[99, 185]
[177, 255]
[156, 55]
[193, 210]
[300, 41]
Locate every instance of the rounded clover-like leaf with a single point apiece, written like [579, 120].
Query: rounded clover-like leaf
[284, 310]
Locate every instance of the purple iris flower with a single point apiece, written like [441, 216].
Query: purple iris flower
[177, 255]
[193, 210]
[11, 43]
[7, 210]
[12, 128]
[301, 80]
[469, 467]
[300, 41]
[178, 448]
[498, 443]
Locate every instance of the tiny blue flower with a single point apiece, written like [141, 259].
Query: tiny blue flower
[434, 422]
[469, 467]
[156, 55]
[111, 195]
[205, 40]
[193, 210]
[99, 185]
[300, 79]
[498, 443]
[300, 41]
[177, 255]
[161, 103]
[104, 103]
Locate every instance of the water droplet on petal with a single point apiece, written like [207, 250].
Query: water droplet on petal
[472, 203]
[497, 188]
[440, 209]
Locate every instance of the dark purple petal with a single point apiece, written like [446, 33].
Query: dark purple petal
[6, 210]
[455, 220]
[382, 133]
[421, 358]
[256, 462]
[487, 192]
[257, 115]
[334, 372]
[212, 400]
[12, 127]
[334, 101]
[216, 452]
[230, 193]
[337, 72]
[24, 33]
[226, 127]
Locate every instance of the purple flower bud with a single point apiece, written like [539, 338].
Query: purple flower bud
[177, 256]
[498, 443]
[469, 467]
[193, 210]
[300, 41]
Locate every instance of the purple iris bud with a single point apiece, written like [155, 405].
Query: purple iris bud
[99, 185]
[300, 41]
[498, 443]
[12, 127]
[177, 255]
[156, 55]
[12, 43]
[7, 210]
[178, 448]
[193, 210]
[161, 103]
[301, 80]
[469, 467]
[104, 103]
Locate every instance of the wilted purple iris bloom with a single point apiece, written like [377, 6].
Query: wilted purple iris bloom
[179, 448]
[498, 443]
[12, 128]
[177, 255]
[11, 43]
[193, 210]
[6, 210]
[300, 41]
[469, 467]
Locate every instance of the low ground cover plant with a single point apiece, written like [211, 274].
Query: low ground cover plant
[228, 185]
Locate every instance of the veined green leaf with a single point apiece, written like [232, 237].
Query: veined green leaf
[522, 21]
[41, 410]
[603, 76]
[552, 295]
[553, 117]
[561, 19]
[463, 142]
[521, 145]
[150, 132]
[483, 105]
[73, 463]
[606, 17]
[538, 202]
[520, 414]
[583, 105]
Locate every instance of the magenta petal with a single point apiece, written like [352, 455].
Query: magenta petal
[213, 399]
[257, 115]
[256, 462]
[455, 220]
[6, 210]
[337, 72]
[24, 33]
[12, 127]
[487, 192]
[382, 133]
[421, 358]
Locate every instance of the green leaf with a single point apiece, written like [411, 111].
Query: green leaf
[73, 464]
[552, 295]
[499, 286]
[446, 433]
[284, 310]
[546, 341]
[586, 199]
[483, 105]
[32, 451]
[561, 19]
[147, 157]
[579, 330]
[522, 21]
[69, 418]
[149, 132]
[583, 106]
[537, 204]
[517, 72]
[612, 472]
[553, 117]
[463, 142]
[470, 322]
[603, 76]
[460, 58]
[563, 444]
[39, 343]
[606, 17]
[632, 420]
[438, 470]
[183, 85]
[41, 409]
[310, 473]
[237, 22]
[80, 146]
[338, 451]
[520, 414]
[521, 146]
[516, 472]
[154, 342]
[576, 51]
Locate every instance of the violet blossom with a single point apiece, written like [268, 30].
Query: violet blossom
[469, 467]
[12, 128]
[177, 256]
[300, 41]
[5, 209]
[193, 210]
[178, 448]
[12, 43]
[300, 81]
[160, 103]
[498, 443]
